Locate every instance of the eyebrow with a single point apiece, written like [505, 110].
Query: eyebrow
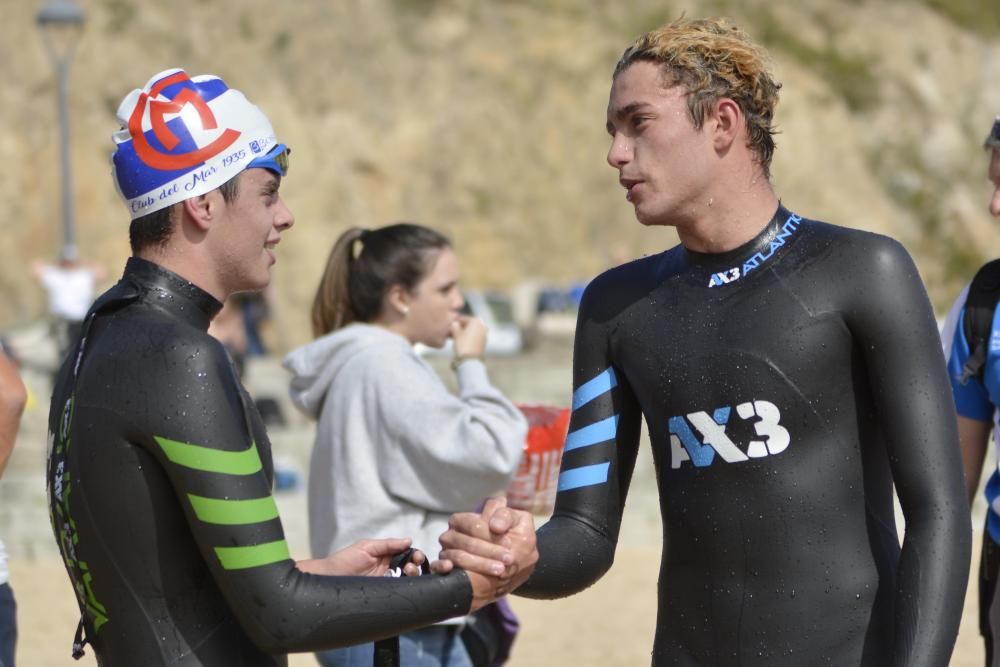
[625, 111]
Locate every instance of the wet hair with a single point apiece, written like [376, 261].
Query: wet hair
[156, 228]
[354, 284]
[713, 59]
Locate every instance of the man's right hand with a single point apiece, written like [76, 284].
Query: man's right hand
[497, 548]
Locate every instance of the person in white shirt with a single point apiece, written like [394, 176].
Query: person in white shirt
[70, 287]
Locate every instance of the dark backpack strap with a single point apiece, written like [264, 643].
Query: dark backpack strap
[977, 324]
[387, 650]
[79, 641]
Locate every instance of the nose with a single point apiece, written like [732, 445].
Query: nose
[459, 300]
[995, 203]
[284, 218]
[620, 152]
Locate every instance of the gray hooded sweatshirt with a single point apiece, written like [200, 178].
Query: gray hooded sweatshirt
[396, 453]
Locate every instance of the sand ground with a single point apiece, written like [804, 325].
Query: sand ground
[611, 624]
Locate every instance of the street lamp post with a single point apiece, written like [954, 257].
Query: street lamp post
[60, 22]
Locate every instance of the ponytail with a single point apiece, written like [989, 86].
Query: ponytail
[352, 287]
[331, 308]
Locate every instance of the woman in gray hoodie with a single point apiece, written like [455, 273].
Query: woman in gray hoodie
[396, 452]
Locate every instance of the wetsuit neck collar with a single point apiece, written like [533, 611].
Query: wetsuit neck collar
[176, 293]
[750, 248]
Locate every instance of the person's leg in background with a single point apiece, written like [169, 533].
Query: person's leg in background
[8, 626]
[436, 646]
[360, 655]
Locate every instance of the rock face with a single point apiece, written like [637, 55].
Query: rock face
[486, 120]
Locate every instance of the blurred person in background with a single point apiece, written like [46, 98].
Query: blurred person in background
[160, 471]
[229, 329]
[69, 287]
[789, 373]
[13, 397]
[969, 334]
[396, 452]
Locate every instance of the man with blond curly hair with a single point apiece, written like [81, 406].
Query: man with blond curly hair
[788, 373]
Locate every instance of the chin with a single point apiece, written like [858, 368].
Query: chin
[427, 341]
[254, 286]
[648, 221]
[262, 280]
[653, 219]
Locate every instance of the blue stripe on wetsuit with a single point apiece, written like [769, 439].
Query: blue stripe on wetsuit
[585, 476]
[588, 391]
[592, 434]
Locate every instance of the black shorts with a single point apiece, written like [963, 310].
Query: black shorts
[989, 572]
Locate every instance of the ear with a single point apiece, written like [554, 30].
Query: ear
[200, 210]
[398, 300]
[728, 120]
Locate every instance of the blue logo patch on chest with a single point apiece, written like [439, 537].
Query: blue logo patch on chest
[685, 445]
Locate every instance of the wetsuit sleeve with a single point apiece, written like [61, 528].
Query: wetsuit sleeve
[444, 452]
[221, 476]
[577, 545]
[893, 324]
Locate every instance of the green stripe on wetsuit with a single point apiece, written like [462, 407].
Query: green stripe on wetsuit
[226, 512]
[207, 459]
[234, 512]
[241, 558]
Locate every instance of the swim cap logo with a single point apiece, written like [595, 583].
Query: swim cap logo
[157, 110]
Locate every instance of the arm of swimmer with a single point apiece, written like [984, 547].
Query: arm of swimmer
[218, 472]
[577, 545]
[13, 397]
[973, 437]
[894, 325]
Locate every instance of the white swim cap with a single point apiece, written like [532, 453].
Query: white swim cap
[182, 137]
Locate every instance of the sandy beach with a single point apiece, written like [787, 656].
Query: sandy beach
[610, 624]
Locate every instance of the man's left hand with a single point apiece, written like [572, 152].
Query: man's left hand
[366, 558]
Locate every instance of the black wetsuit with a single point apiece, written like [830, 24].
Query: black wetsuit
[785, 385]
[159, 482]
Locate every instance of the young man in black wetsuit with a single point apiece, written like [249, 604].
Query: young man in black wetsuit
[788, 374]
[160, 470]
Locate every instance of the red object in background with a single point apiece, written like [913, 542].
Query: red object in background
[537, 478]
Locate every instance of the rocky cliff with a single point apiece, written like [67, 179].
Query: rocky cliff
[486, 120]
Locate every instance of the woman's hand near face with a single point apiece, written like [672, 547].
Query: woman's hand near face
[469, 336]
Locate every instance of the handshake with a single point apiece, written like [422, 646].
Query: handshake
[496, 548]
